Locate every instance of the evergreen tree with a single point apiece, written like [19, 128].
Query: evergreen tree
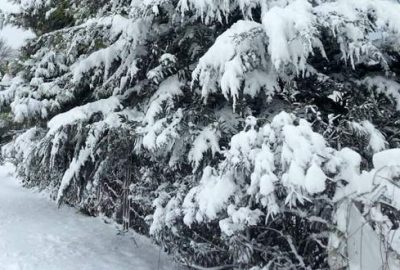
[235, 133]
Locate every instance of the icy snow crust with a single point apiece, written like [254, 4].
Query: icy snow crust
[35, 235]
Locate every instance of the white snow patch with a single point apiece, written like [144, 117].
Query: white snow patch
[105, 106]
[315, 179]
[385, 158]
[35, 235]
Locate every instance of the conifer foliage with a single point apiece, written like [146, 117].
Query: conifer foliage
[234, 133]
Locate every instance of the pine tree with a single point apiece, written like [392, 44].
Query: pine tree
[184, 103]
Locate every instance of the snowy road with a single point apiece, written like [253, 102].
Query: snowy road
[35, 235]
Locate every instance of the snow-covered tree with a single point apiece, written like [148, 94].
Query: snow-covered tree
[235, 133]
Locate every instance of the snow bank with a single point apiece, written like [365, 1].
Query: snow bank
[36, 235]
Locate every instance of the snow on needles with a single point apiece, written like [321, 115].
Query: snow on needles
[299, 151]
[130, 31]
[236, 52]
[292, 34]
[207, 140]
[105, 106]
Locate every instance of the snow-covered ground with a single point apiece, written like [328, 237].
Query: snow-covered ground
[36, 235]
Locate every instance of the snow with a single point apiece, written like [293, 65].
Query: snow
[214, 194]
[35, 235]
[77, 162]
[167, 91]
[207, 140]
[23, 145]
[385, 86]
[88, 151]
[24, 108]
[162, 134]
[164, 216]
[210, 10]
[239, 219]
[105, 106]
[366, 250]
[210, 197]
[288, 144]
[32, 4]
[225, 65]
[290, 31]
[377, 141]
[315, 179]
[353, 32]
[103, 57]
[303, 151]
[132, 33]
[263, 177]
[261, 165]
[387, 158]
[349, 163]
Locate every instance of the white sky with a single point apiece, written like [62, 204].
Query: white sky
[15, 37]
[7, 6]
